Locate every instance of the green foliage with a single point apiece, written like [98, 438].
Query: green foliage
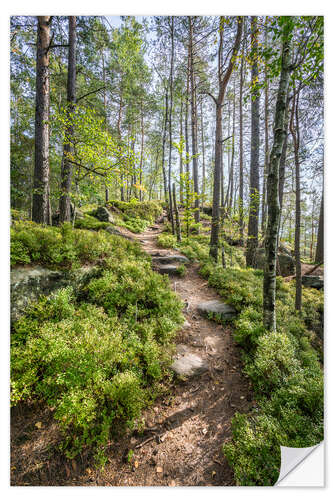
[59, 247]
[166, 240]
[97, 360]
[283, 367]
[89, 222]
[135, 215]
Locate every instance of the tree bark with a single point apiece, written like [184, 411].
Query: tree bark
[273, 206]
[320, 234]
[178, 230]
[181, 168]
[252, 240]
[194, 127]
[67, 168]
[294, 129]
[241, 164]
[170, 124]
[223, 82]
[41, 203]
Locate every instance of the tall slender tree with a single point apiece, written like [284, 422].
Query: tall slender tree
[66, 170]
[252, 238]
[41, 206]
[273, 205]
[223, 79]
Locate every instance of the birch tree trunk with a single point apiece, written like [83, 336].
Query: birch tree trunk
[320, 234]
[273, 205]
[41, 202]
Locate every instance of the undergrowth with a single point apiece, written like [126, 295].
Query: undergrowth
[98, 359]
[284, 367]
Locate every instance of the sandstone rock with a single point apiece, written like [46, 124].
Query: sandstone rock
[188, 364]
[103, 215]
[286, 265]
[169, 259]
[217, 307]
[116, 232]
[313, 281]
[168, 269]
[27, 284]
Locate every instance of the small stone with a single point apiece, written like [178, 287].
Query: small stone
[189, 365]
[217, 307]
[187, 324]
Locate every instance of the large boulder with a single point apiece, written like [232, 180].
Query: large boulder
[103, 215]
[27, 284]
[286, 263]
[313, 281]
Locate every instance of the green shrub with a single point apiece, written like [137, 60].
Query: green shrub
[62, 247]
[89, 222]
[166, 240]
[98, 361]
[283, 366]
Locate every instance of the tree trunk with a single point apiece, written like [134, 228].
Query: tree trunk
[170, 125]
[273, 206]
[141, 154]
[165, 181]
[223, 79]
[320, 234]
[41, 203]
[252, 240]
[203, 157]
[181, 168]
[178, 230]
[294, 129]
[194, 127]
[264, 190]
[66, 171]
[241, 167]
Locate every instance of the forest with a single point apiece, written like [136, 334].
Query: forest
[167, 247]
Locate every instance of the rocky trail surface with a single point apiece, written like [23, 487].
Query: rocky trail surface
[184, 432]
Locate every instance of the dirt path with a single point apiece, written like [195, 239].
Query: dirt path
[181, 444]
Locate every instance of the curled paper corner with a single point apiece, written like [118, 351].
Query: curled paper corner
[292, 457]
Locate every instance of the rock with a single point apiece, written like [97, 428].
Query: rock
[116, 232]
[154, 228]
[207, 210]
[313, 281]
[168, 269]
[217, 307]
[103, 215]
[169, 259]
[27, 284]
[286, 264]
[160, 219]
[188, 364]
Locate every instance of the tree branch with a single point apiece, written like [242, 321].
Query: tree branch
[89, 93]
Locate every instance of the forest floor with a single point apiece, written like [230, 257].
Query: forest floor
[184, 430]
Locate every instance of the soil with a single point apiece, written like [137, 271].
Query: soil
[184, 430]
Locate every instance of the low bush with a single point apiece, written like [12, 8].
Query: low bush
[97, 359]
[60, 247]
[165, 240]
[91, 223]
[283, 367]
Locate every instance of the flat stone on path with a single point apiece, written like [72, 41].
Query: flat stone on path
[188, 364]
[168, 259]
[168, 269]
[217, 307]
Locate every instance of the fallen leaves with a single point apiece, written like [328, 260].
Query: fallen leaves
[39, 425]
[159, 469]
